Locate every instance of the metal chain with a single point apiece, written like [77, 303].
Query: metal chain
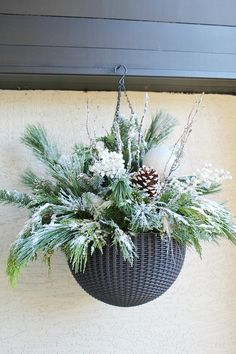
[128, 101]
[117, 112]
[122, 88]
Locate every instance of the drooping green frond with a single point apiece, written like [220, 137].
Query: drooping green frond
[124, 242]
[13, 270]
[13, 266]
[35, 138]
[160, 128]
[220, 221]
[144, 218]
[120, 239]
[14, 197]
[89, 237]
[191, 220]
[44, 239]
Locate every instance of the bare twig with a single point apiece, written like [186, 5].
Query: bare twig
[130, 134]
[116, 121]
[87, 121]
[93, 139]
[141, 126]
[118, 135]
[179, 146]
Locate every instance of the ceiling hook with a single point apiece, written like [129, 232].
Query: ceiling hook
[122, 79]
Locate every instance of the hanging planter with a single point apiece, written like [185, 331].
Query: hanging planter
[116, 209]
[109, 278]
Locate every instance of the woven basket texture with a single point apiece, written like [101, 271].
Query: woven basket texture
[111, 279]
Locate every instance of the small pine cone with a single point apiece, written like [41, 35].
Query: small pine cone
[146, 179]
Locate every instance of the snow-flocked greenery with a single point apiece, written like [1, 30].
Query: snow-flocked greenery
[86, 199]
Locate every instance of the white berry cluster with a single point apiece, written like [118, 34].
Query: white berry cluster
[205, 177]
[187, 186]
[208, 176]
[110, 164]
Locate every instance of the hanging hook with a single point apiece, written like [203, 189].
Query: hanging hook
[122, 79]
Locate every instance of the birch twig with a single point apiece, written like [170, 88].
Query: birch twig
[141, 126]
[179, 146]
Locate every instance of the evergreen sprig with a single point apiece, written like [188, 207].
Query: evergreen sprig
[14, 197]
[161, 126]
[35, 138]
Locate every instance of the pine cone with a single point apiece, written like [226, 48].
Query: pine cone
[146, 179]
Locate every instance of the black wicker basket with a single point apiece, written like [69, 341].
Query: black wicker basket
[110, 279]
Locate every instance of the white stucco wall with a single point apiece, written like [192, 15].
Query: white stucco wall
[52, 314]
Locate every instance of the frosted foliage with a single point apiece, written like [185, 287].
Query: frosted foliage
[205, 178]
[88, 200]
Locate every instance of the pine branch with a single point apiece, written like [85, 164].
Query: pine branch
[29, 179]
[66, 173]
[89, 237]
[144, 218]
[89, 184]
[13, 270]
[25, 249]
[89, 205]
[14, 197]
[39, 185]
[160, 128]
[84, 155]
[125, 244]
[109, 141]
[13, 266]
[44, 190]
[121, 191]
[192, 219]
[35, 138]
[64, 169]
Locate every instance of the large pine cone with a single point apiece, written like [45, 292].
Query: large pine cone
[146, 179]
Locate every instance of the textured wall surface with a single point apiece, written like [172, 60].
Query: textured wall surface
[52, 314]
